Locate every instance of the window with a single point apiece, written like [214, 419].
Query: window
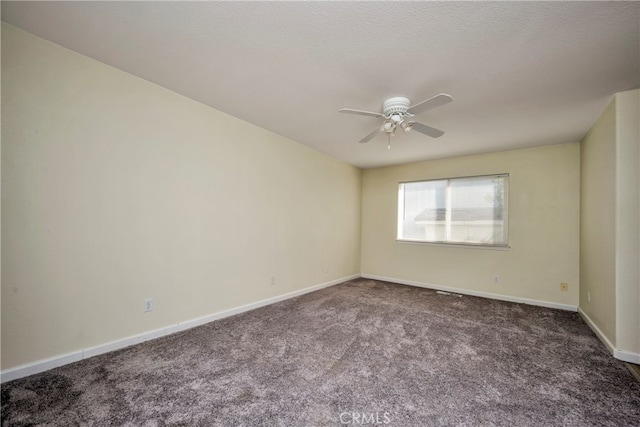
[468, 211]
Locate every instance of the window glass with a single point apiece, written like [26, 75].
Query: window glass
[456, 210]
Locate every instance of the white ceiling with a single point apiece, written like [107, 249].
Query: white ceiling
[521, 73]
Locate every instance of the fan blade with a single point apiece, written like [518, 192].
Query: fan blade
[430, 103]
[360, 112]
[427, 130]
[372, 135]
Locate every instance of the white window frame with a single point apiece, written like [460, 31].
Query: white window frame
[448, 211]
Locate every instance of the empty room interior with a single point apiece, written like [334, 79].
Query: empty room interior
[320, 213]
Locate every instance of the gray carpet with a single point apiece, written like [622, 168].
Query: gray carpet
[359, 353]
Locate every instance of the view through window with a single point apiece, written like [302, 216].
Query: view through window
[470, 211]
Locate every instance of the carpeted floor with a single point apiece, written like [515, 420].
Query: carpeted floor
[359, 353]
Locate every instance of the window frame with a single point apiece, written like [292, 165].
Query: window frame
[477, 245]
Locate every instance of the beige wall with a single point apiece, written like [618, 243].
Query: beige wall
[610, 232]
[115, 189]
[597, 222]
[628, 222]
[544, 200]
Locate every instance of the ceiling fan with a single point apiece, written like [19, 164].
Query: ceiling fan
[398, 112]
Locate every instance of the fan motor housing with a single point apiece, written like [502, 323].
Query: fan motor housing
[395, 105]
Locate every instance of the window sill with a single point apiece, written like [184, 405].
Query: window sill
[456, 245]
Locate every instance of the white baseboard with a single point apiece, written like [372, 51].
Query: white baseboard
[500, 297]
[597, 331]
[64, 359]
[625, 356]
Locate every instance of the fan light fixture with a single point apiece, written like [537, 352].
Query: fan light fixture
[396, 111]
[406, 126]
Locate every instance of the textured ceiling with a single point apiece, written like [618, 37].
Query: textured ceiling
[521, 73]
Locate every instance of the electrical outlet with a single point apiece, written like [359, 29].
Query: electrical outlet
[273, 280]
[148, 305]
[326, 269]
[564, 287]
[496, 279]
[588, 296]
